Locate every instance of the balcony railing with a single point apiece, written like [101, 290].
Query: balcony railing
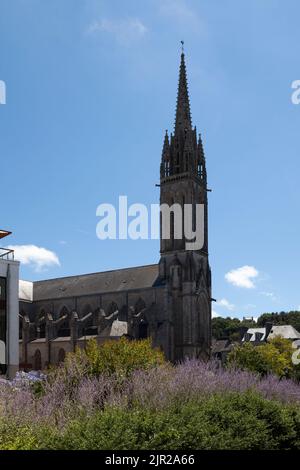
[7, 254]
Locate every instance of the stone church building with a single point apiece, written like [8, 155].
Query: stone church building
[169, 302]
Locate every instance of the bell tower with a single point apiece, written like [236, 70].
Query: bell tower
[184, 271]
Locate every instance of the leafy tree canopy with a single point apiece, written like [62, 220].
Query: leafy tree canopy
[273, 357]
[281, 318]
[229, 328]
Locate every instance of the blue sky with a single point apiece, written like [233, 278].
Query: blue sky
[91, 88]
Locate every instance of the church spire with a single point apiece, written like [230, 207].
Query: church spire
[165, 158]
[166, 147]
[181, 152]
[201, 164]
[183, 114]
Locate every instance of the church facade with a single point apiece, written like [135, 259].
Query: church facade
[169, 302]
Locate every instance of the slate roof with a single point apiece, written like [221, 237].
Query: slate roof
[286, 331]
[251, 333]
[140, 277]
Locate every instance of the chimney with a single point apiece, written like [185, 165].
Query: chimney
[268, 326]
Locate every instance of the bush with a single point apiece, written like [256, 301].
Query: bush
[112, 357]
[232, 421]
[14, 437]
[194, 405]
[274, 357]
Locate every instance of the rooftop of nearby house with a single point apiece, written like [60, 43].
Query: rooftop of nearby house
[255, 334]
[265, 333]
[286, 331]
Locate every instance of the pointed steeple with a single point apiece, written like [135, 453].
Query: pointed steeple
[183, 114]
[166, 147]
[165, 157]
[201, 160]
[181, 151]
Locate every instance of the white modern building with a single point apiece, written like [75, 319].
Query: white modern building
[9, 311]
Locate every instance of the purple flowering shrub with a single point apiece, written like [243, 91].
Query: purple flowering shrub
[72, 396]
[64, 396]
[159, 387]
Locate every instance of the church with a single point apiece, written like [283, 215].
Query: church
[169, 302]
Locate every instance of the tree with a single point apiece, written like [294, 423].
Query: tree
[273, 357]
[229, 328]
[120, 357]
[281, 318]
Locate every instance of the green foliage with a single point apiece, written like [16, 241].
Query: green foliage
[281, 318]
[247, 356]
[285, 347]
[38, 388]
[87, 404]
[229, 328]
[14, 437]
[230, 421]
[273, 357]
[117, 357]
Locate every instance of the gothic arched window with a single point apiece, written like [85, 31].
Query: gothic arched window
[41, 329]
[41, 324]
[64, 311]
[64, 329]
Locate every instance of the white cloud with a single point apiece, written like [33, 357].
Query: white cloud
[242, 277]
[37, 257]
[124, 30]
[224, 303]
